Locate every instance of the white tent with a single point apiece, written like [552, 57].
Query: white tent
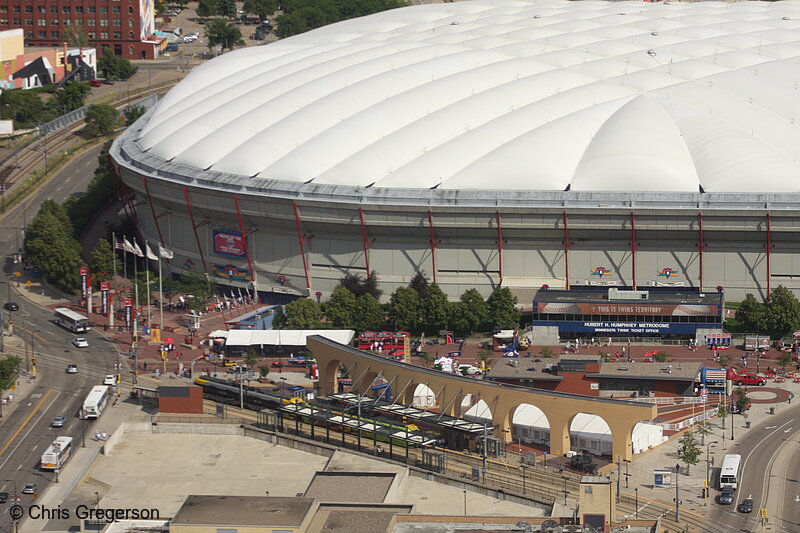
[424, 397]
[285, 337]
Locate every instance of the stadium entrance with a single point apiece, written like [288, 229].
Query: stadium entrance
[603, 312]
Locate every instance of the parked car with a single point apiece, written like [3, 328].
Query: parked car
[110, 379]
[749, 379]
[80, 342]
[11, 306]
[109, 81]
[95, 83]
[726, 496]
[30, 488]
[746, 506]
[58, 422]
[3, 497]
[72, 369]
[278, 364]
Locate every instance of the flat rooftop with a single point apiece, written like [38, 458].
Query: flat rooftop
[243, 511]
[351, 487]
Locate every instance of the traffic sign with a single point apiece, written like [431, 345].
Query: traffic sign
[18, 273]
[28, 283]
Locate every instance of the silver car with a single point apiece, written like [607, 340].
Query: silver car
[726, 496]
[58, 422]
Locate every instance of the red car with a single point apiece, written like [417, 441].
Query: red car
[749, 379]
[95, 83]
[277, 364]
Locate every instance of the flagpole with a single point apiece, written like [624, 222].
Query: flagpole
[124, 258]
[113, 255]
[160, 292]
[147, 280]
[135, 292]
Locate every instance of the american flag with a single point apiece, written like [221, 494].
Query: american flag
[716, 375]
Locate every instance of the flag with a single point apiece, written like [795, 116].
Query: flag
[118, 244]
[137, 250]
[163, 252]
[150, 254]
[127, 246]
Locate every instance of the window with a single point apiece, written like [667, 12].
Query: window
[40, 9]
[15, 9]
[54, 22]
[104, 10]
[91, 35]
[131, 50]
[116, 9]
[130, 23]
[29, 22]
[17, 22]
[130, 35]
[67, 22]
[91, 22]
[29, 34]
[78, 9]
[130, 10]
[587, 490]
[42, 34]
[41, 22]
[117, 49]
[117, 35]
[91, 9]
[54, 34]
[28, 9]
[53, 9]
[103, 22]
[3, 9]
[117, 23]
[3, 22]
[104, 35]
[66, 9]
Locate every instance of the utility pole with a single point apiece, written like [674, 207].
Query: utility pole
[677, 493]
[485, 438]
[619, 469]
[241, 389]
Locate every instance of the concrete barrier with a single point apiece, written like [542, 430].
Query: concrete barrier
[197, 429]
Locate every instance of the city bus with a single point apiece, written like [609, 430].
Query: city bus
[69, 319]
[57, 454]
[95, 402]
[729, 474]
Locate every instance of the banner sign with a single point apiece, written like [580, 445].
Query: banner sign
[84, 271]
[628, 328]
[230, 272]
[229, 243]
[104, 287]
[567, 308]
[128, 302]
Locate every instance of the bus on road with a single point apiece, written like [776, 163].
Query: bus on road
[57, 454]
[95, 403]
[69, 319]
[729, 475]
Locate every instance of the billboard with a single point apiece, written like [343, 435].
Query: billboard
[229, 243]
[6, 127]
[627, 328]
[104, 288]
[230, 272]
[147, 19]
[572, 308]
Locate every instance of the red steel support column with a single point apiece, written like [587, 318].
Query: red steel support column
[126, 195]
[567, 245]
[244, 239]
[153, 210]
[364, 240]
[633, 249]
[302, 241]
[194, 228]
[701, 246]
[434, 243]
[769, 252]
[500, 246]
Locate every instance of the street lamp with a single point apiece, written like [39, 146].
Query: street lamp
[708, 468]
[677, 493]
[636, 492]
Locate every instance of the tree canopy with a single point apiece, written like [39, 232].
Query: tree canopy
[360, 285]
[340, 307]
[302, 15]
[778, 316]
[503, 310]
[404, 309]
[303, 313]
[102, 261]
[262, 8]
[52, 248]
[435, 309]
[115, 67]
[367, 313]
[223, 33]
[101, 119]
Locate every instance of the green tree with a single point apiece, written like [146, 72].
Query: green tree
[102, 189]
[25, 108]
[741, 399]
[661, 357]
[223, 33]
[784, 360]
[485, 357]
[114, 67]
[279, 320]
[419, 283]
[722, 413]
[724, 359]
[546, 352]
[690, 450]
[228, 8]
[749, 312]
[102, 261]
[71, 96]
[303, 313]
[132, 113]
[262, 8]
[52, 248]
[252, 358]
[340, 307]
[8, 369]
[404, 309]
[208, 8]
[434, 309]
[703, 429]
[475, 310]
[303, 15]
[263, 371]
[503, 308]
[781, 313]
[367, 314]
[101, 119]
[359, 285]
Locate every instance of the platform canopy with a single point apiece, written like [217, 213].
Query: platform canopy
[285, 337]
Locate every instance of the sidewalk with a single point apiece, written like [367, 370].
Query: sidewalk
[24, 385]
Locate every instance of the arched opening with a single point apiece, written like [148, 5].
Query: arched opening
[474, 409]
[423, 396]
[590, 433]
[530, 428]
[647, 436]
[336, 378]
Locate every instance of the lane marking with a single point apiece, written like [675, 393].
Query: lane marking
[24, 423]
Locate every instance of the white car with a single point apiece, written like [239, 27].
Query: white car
[110, 379]
[80, 342]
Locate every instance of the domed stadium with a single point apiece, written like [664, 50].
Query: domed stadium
[487, 143]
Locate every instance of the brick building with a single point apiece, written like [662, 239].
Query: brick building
[590, 376]
[126, 27]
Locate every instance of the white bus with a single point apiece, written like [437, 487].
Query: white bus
[75, 322]
[95, 403]
[57, 453]
[729, 475]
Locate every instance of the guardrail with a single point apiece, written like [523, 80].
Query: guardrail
[79, 114]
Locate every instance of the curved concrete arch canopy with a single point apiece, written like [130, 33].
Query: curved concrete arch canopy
[559, 408]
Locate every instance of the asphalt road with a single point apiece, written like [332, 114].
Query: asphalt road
[26, 432]
[770, 476]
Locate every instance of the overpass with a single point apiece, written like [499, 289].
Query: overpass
[503, 400]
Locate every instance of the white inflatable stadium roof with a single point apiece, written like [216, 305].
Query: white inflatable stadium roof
[547, 95]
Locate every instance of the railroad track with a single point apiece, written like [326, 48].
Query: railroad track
[18, 166]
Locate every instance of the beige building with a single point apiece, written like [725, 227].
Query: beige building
[12, 44]
[243, 514]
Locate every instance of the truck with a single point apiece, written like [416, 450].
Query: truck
[756, 342]
[745, 378]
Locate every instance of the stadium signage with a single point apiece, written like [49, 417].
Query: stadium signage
[229, 243]
[576, 308]
[627, 327]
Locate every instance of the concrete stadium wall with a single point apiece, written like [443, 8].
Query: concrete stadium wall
[467, 255]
